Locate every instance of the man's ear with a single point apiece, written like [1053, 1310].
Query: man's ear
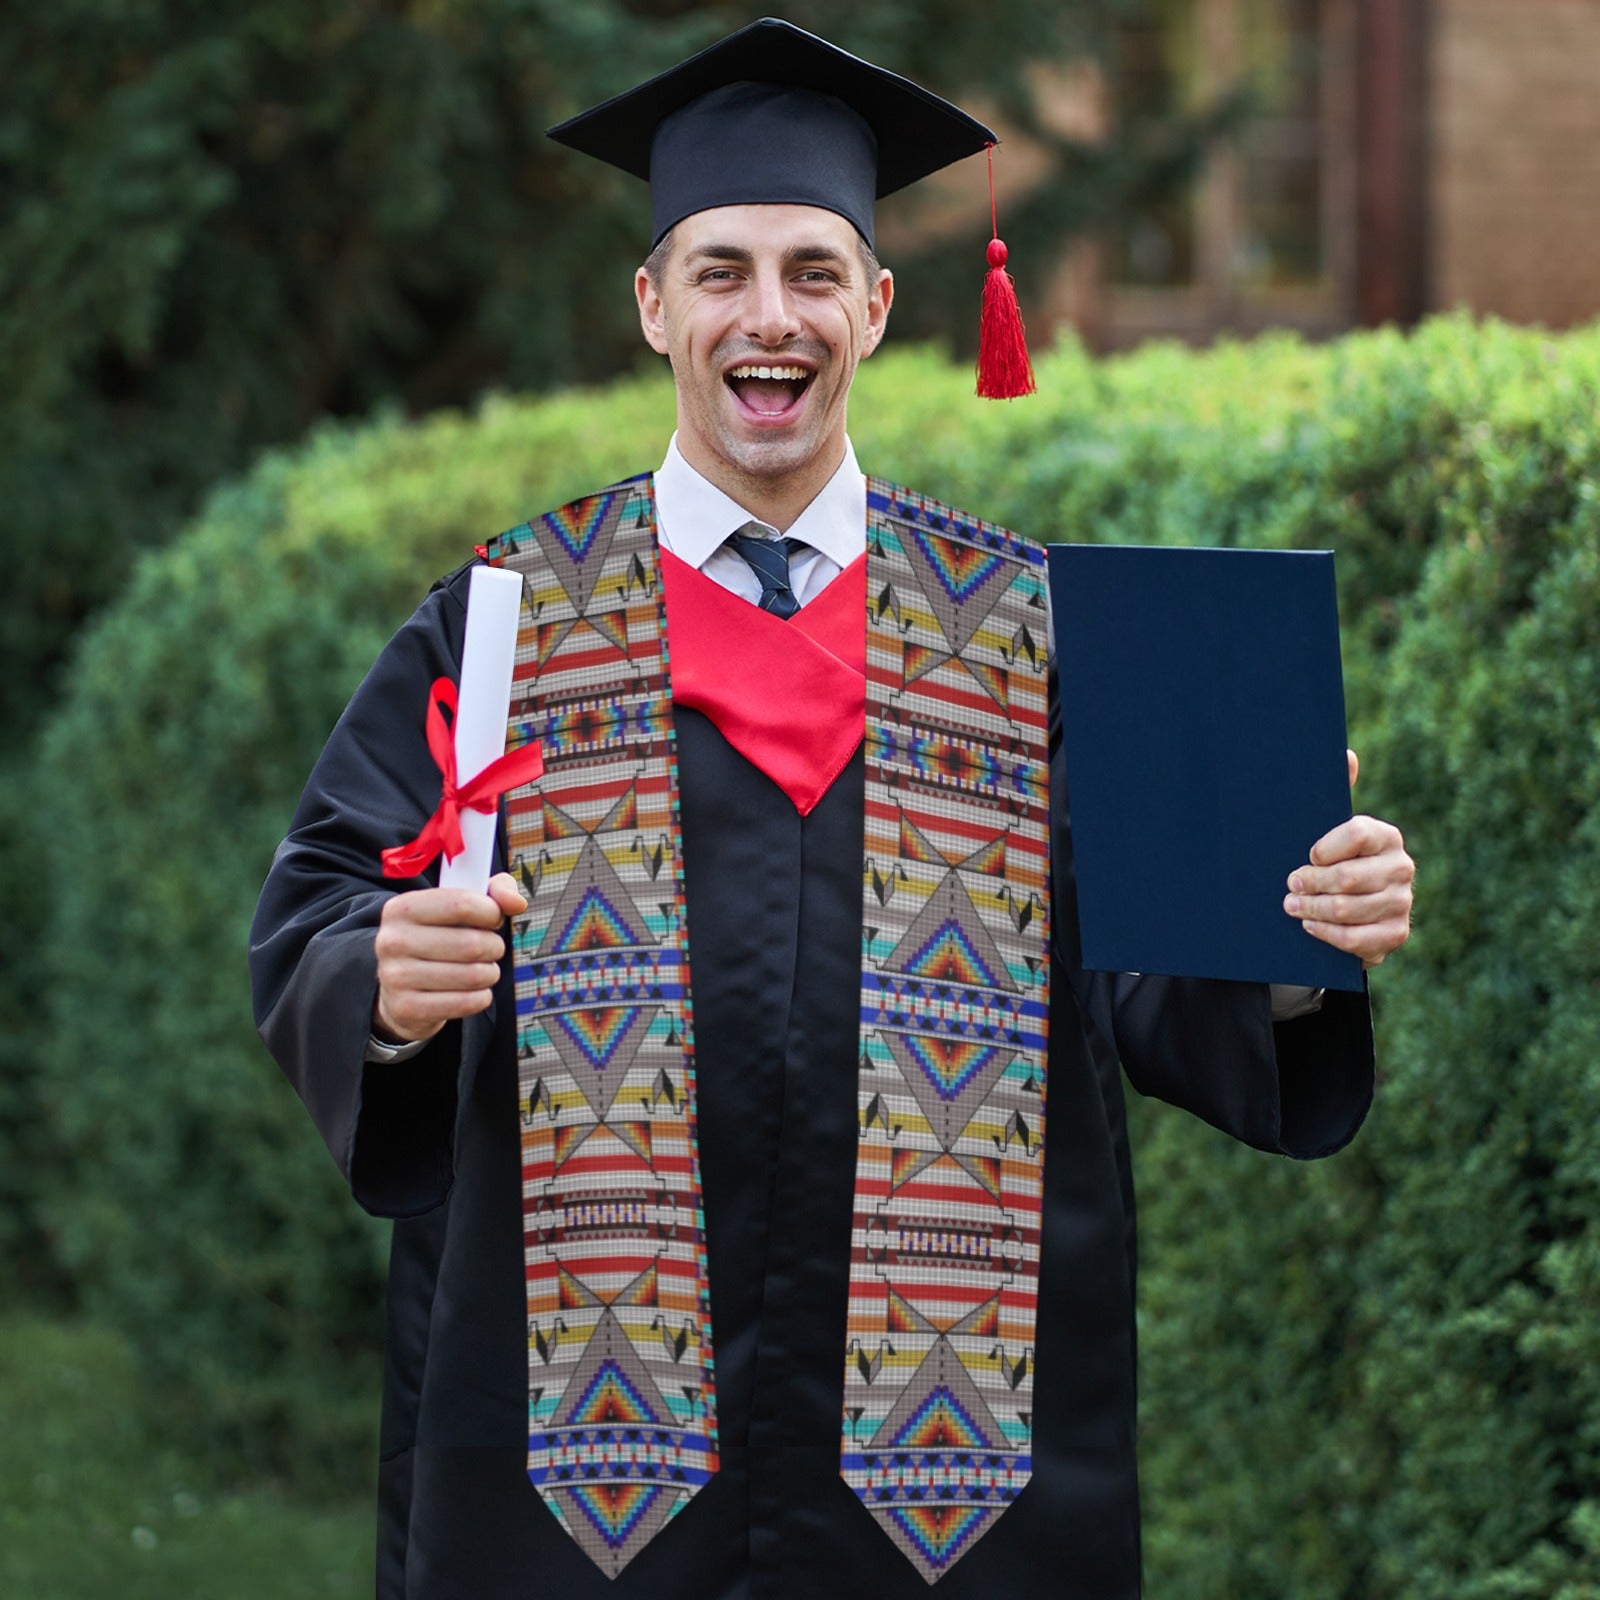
[878, 303]
[652, 315]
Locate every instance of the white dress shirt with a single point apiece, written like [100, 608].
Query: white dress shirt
[694, 518]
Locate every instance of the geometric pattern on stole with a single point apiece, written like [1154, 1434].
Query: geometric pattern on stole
[938, 1401]
[621, 1402]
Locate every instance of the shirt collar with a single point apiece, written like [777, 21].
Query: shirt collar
[695, 517]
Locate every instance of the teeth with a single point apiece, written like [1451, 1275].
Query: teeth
[797, 374]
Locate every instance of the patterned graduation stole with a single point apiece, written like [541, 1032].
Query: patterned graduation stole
[621, 1404]
[938, 1380]
[938, 1392]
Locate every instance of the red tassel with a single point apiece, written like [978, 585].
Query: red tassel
[1004, 370]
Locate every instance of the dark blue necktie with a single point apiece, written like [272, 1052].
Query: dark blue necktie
[769, 560]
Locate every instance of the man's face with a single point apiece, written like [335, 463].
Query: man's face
[764, 311]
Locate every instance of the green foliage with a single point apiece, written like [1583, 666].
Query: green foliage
[193, 1211]
[1387, 1388]
[1369, 1379]
[96, 1499]
[25, 1147]
[1495, 1049]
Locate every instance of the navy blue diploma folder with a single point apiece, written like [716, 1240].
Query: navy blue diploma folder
[1202, 709]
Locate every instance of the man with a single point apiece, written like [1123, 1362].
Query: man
[802, 1307]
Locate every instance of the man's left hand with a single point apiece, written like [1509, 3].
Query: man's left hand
[1355, 893]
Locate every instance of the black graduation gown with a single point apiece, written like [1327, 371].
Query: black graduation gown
[774, 907]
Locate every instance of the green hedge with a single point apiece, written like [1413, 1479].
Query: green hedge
[1377, 1377]
[192, 1205]
[1370, 1378]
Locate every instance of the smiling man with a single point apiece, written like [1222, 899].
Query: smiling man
[727, 291]
[735, 1254]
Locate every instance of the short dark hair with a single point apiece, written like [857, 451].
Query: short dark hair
[656, 262]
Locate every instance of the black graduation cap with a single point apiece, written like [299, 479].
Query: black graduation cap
[774, 115]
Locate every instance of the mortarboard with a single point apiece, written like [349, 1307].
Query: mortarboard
[774, 115]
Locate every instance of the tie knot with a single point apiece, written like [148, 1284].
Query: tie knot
[768, 558]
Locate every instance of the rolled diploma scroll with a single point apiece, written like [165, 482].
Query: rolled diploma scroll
[494, 604]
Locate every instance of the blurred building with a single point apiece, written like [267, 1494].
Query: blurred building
[1400, 157]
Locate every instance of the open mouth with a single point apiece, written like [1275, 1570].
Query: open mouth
[769, 391]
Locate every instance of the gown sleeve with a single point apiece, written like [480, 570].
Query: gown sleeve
[1300, 1088]
[313, 966]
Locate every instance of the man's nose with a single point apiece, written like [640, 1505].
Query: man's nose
[772, 319]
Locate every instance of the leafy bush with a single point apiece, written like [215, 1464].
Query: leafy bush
[1370, 1378]
[1376, 1378]
[194, 1212]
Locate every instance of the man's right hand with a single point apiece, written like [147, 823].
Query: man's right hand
[439, 952]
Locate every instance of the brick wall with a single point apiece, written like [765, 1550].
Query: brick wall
[1514, 162]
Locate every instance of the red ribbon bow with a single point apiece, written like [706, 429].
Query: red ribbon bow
[442, 831]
